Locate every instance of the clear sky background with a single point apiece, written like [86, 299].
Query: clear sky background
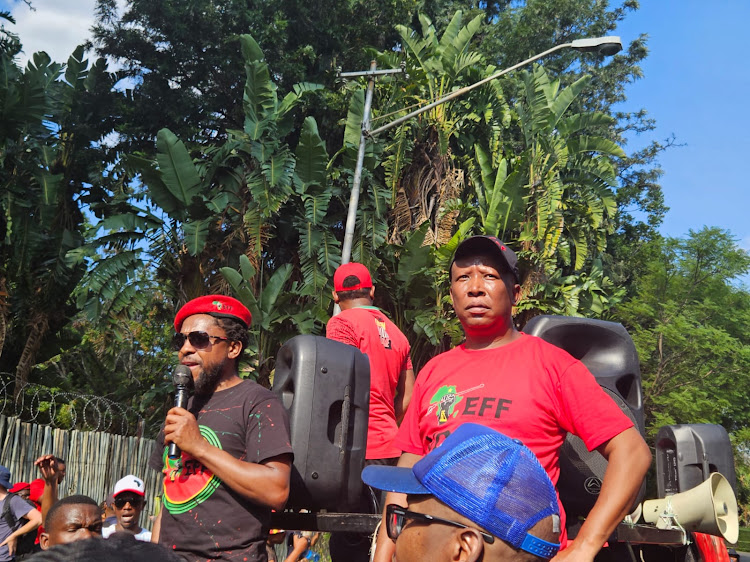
[696, 83]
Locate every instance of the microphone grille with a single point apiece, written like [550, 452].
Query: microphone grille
[182, 376]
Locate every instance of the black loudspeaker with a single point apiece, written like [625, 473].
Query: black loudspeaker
[325, 387]
[609, 353]
[687, 454]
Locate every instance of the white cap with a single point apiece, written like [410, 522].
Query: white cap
[130, 483]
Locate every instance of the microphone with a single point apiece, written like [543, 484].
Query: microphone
[183, 384]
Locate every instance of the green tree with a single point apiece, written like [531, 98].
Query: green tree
[536, 173]
[47, 161]
[689, 318]
[689, 321]
[180, 58]
[249, 200]
[513, 31]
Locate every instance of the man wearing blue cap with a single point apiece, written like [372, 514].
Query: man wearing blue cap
[19, 517]
[523, 387]
[479, 496]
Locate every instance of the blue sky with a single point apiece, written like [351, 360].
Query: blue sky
[695, 85]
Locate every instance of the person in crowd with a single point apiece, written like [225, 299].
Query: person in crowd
[108, 511]
[43, 492]
[479, 496]
[21, 489]
[73, 518]
[276, 545]
[26, 544]
[120, 547]
[523, 387]
[300, 545]
[366, 327]
[129, 500]
[234, 440]
[53, 471]
[17, 518]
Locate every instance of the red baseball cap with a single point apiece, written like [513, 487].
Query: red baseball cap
[18, 486]
[219, 306]
[351, 269]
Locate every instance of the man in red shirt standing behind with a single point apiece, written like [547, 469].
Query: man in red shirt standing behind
[367, 328]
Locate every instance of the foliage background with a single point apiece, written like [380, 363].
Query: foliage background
[219, 157]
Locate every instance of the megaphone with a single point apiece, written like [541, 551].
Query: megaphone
[633, 518]
[710, 508]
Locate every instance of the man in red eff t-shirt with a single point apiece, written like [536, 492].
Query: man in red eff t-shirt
[523, 387]
[366, 327]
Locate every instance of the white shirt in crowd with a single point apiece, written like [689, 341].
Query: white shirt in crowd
[143, 535]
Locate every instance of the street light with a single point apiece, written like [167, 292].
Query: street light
[606, 46]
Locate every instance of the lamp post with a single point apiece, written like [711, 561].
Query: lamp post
[604, 45]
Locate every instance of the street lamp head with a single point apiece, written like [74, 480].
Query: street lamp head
[606, 46]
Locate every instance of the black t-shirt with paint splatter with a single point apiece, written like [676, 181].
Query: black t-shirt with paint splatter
[203, 519]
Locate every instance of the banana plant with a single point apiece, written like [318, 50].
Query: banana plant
[218, 202]
[569, 175]
[42, 184]
[272, 322]
[319, 250]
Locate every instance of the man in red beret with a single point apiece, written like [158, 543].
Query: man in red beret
[235, 453]
[366, 327]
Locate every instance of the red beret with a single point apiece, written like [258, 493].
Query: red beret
[351, 269]
[219, 306]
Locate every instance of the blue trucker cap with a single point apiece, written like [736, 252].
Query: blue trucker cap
[485, 476]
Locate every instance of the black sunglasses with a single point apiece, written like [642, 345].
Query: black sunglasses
[134, 501]
[199, 340]
[396, 517]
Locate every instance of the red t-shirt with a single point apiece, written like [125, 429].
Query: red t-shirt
[36, 489]
[367, 328]
[528, 389]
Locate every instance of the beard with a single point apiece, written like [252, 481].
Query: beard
[207, 381]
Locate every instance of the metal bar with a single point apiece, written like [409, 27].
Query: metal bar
[348, 522]
[648, 534]
[463, 90]
[351, 217]
[366, 523]
[370, 72]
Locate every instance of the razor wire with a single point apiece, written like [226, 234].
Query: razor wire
[35, 403]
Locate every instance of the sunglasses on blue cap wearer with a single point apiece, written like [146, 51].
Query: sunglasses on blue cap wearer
[484, 476]
[397, 515]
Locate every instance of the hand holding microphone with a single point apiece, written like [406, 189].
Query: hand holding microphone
[183, 384]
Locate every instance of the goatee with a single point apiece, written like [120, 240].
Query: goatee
[208, 380]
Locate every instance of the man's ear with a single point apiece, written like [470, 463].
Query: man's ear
[335, 296]
[516, 294]
[372, 293]
[44, 541]
[235, 348]
[469, 546]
